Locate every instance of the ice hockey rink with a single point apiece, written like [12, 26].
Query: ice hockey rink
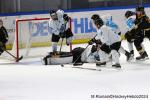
[30, 80]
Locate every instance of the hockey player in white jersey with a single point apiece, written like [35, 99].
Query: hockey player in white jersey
[108, 42]
[59, 25]
[108, 21]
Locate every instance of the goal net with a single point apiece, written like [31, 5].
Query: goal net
[32, 38]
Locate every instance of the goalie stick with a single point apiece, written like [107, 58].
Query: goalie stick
[62, 65]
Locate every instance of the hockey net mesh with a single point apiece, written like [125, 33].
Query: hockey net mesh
[32, 38]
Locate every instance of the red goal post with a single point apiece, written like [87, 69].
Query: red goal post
[23, 36]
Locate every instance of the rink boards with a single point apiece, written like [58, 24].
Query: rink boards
[82, 26]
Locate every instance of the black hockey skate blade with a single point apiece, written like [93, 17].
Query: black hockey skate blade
[62, 65]
[20, 58]
[77, 64]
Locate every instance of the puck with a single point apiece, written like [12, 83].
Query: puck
[62, 65]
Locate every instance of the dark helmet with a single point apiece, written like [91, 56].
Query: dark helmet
[66, 17]
[52, 12]
[97, 20]
[140, 8]
[95, 17]
[129, 13]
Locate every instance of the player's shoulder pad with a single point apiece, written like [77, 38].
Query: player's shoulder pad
[132, 17]
[60, 13]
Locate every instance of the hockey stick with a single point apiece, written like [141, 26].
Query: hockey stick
[62, 65]
[17, 59]
[61, 45]
[82, 52]
[79, 55]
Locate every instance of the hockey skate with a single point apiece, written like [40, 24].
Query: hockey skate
[55, 54]
[128, 56]
[44, 61]
[78, 64]
[142, 57]
[100, 64]
[116, 65]
[131, 55]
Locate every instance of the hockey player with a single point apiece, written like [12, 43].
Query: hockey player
[142, 26]
[130, 34]
[108, 21]
[3, 37]
[108, 41]
[135, 34]
[59, 25]
[143, 21]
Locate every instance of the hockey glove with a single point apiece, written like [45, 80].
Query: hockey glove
[62, 34]
[91, 41]
[66, 17]
[98, 42]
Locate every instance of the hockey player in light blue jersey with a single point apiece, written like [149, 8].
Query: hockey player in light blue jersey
[130, 23]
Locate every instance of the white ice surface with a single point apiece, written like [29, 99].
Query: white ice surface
[30, 80]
